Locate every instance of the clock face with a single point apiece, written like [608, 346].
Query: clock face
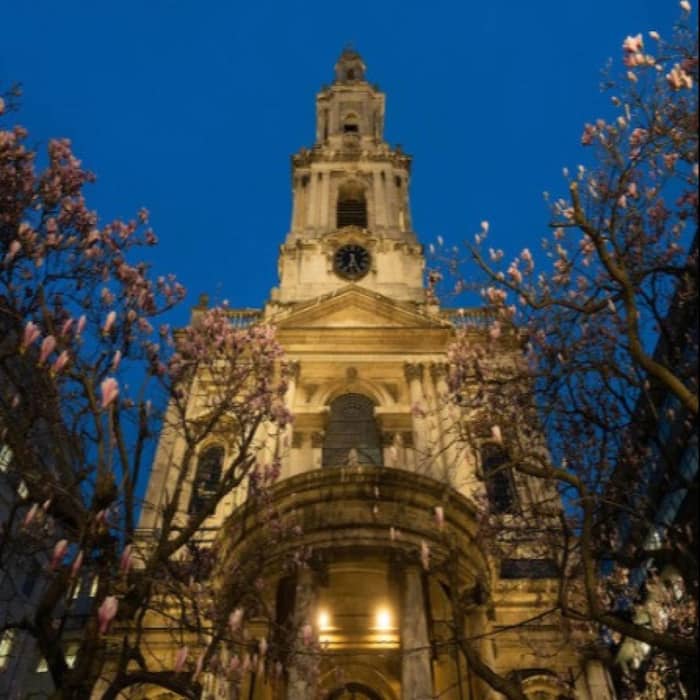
[351, 261]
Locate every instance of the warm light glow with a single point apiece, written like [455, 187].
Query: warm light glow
[383, 619]
[324, 620]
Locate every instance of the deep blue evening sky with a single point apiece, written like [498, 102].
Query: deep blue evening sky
[192, 109]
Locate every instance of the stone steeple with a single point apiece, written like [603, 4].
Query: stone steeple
[350, 188]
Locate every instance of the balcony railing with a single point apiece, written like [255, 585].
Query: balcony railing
[243, 318]
[477, 317]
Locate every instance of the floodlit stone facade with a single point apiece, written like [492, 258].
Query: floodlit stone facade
[373, 450]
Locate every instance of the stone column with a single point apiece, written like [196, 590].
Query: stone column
[295, 203]
[324, 204]
[414, 375]
[416, 671]
[433, 427]
[302, 682]
[312, 207]
[379, 215]
[303, 203]
[446, 420]
[287, 433]
[478, 624]
[594, 683]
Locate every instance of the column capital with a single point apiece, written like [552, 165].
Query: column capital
[438, 370]
[413, 370]
[293, 369]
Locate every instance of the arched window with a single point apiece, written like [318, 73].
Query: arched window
[207, 477]
[354, 691]
[351, 209]
[352, 426]
[499, 478]
[351, 124]
[541, 684]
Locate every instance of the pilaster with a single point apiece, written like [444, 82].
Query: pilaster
[414, 377]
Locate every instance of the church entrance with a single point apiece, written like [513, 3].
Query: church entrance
[352, 426]
[354, 691]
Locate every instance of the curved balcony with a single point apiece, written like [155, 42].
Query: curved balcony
[360, 511]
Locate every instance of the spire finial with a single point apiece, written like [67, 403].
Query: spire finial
[350, 66]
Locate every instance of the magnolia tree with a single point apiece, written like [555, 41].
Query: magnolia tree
[89, 374]
[607, 320]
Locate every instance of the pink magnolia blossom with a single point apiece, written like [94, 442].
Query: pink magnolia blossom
[638, 135]
[30, 334]
[31, 514]
[440, 517]
[180, 659]
[77, 564]
[670, 160]
[589, 131]
[60, 362]
[116, 360]
[110, 391]
[678, 78]
[126, 559]
[496, 434]
[685, 5]
[633, 44]
[109, 322]
[107, 612]
[515, 274]
[425, 554]
[48, 345]
[12, 250]
[235, 619]
[59, 551]
[81, 325]
[65, 328]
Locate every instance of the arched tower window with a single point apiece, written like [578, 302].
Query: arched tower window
[351, 208]
[351, 124]
[352, 426]
[499, 478]
[207, 477]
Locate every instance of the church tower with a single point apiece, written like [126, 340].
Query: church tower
[371, 468]
[350, 214]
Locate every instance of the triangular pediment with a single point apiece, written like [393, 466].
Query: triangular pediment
[355, 307]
